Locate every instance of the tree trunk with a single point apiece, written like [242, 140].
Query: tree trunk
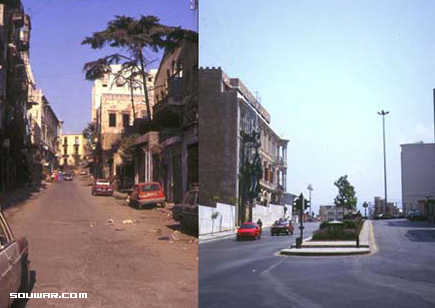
[132, 100]
[144, 80]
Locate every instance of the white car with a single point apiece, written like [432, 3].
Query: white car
[14, 264]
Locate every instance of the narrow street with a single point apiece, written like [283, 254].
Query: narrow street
[79, 243]
[248, 274]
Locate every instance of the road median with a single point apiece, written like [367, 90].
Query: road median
[335, 248]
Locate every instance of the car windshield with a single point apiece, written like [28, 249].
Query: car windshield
[149, 187]
[247, 226]
[103, 182]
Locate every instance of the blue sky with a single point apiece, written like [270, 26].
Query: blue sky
[323, 69]
[57, 57]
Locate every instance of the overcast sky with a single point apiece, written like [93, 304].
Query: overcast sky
[57, 57]
[323, 69]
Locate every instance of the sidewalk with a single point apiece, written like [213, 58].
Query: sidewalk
[336, 248]
[216, 236]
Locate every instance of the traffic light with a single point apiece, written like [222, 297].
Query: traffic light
[299, 203]
[307, 204]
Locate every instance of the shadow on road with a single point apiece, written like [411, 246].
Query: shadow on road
[421, 235]
[21, 303]
[410, 224]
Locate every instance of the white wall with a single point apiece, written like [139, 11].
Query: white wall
[226, 219]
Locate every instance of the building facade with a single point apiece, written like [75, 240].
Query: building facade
[418, 175]
[170, 154]
[232, 114]
[72, 150]
[331, 213]
[116, 106]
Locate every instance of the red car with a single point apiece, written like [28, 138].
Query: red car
[150, 193]
[102, 187]
[282, 226]
[248, 230]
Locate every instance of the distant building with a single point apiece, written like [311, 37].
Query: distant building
[385, 209]
[72, 150]
[418, 176]
[231, 110]
[331, 213]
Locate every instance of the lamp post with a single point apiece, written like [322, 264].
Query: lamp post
[310, 189]
[383, 114]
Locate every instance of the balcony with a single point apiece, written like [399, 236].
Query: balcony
[18, 19]
[280, 161]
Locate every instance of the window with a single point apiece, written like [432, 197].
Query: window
[77, 140]
[65, 151]
[76, 150]
[125, 120]
[65, 140]
[112, 119]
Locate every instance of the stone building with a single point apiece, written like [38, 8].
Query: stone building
[72, 150]
[116, 105]
[418, 176]
[230, 109]
[332, 212]
[170, 154]
[27, 146]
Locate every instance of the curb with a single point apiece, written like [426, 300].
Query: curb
[215, 238]
[301, 252]
[344, 250]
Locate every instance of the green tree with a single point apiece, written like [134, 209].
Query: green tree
[133, 37]
[346, 194]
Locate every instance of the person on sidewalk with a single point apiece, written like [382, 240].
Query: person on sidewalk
[260, 223]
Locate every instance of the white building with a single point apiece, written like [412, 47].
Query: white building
[331, 213]
[418, 174]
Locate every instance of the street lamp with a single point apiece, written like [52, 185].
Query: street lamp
[383, 114]
[310, 189]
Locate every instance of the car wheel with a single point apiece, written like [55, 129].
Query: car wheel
[163, 205]
[24, 276]
[93, 193]
[237, 238]
[273, 234]
[291, 233]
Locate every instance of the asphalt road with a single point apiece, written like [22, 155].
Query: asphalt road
[79, 243]
[400, 274]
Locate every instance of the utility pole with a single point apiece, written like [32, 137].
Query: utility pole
[383, 114]
[310, 189]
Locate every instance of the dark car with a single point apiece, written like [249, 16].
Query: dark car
[14, 265]
[282, 226]
[186, 213]
[248, 230]
[415, 215]
[69, 176]
[149, 193]
[102, 187]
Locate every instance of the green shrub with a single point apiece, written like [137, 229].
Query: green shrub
[335, 235]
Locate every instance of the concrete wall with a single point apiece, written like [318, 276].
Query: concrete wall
[226, 219]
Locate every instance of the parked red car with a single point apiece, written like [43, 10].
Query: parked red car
[149, 193]
[102, 187]
[248, 230]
